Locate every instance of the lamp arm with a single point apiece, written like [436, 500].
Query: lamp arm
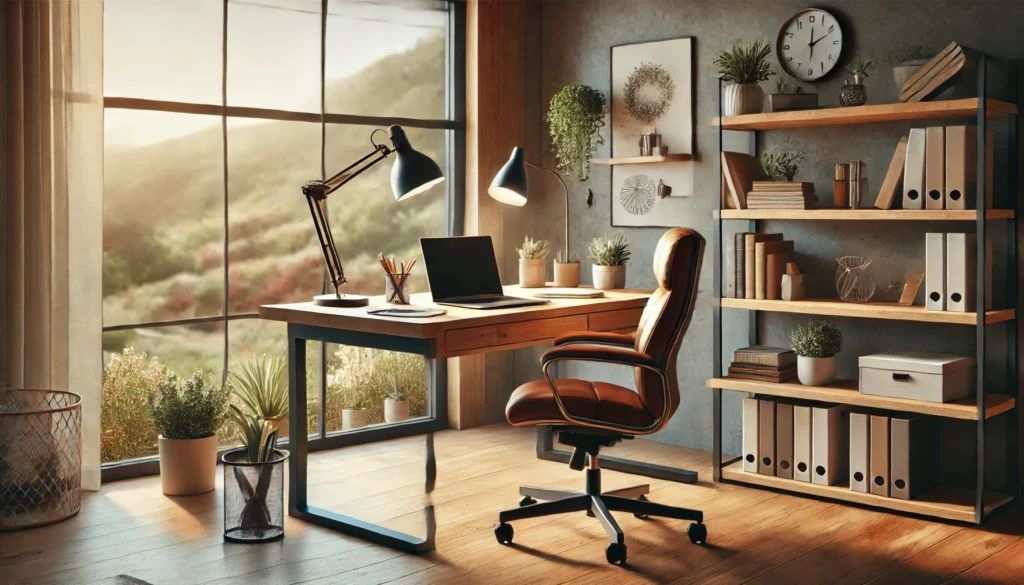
[565, 191]
[316, 193]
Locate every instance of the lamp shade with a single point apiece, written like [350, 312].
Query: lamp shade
[413, 171]
[510, 185]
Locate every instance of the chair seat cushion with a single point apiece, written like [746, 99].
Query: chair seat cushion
[534, 404]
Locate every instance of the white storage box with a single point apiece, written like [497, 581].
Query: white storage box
[917, 375]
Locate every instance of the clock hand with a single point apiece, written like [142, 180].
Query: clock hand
[816, 42]
[811, 44]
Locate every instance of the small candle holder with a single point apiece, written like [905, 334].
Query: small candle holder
[396, 295]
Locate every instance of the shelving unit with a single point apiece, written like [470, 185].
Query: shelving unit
[645, 160]
[962, 504]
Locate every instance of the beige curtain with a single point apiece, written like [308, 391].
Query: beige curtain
[51, 201]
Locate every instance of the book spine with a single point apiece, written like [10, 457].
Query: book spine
[749, 263]
[741, 271]
[730, 268]
[760, 259]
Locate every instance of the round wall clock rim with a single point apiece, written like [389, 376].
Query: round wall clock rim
[779, 43]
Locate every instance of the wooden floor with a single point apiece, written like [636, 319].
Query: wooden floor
[755, 536]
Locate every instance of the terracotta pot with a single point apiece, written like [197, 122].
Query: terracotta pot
[742, 98]
[188, 466]
[815, 371]
[567, 275]
[609, 277]
[531, 272]
[352, 419]
[396, 411]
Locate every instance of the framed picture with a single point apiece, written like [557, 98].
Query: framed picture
[652, 93]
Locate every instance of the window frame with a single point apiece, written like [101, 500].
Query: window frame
[454, 125]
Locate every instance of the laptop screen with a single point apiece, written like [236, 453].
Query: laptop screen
[461, 266]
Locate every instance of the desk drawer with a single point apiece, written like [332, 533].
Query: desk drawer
[615, 320]
[511, 333]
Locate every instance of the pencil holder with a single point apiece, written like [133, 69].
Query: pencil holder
[393, 294]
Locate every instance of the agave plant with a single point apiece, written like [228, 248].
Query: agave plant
[261, 384]
[613, 251]
[745, 63]
[395, 393]
[534, 249]
[255, 430]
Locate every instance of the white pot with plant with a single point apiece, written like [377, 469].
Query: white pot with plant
[742, 70]
[396, 404]
[187, 415]
[610, 257]
[531, 262]
[567, 270]
[353, 412]
[816, 344]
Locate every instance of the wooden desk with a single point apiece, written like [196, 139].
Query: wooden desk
[455, 341]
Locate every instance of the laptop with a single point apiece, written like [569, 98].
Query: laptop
[462, 272]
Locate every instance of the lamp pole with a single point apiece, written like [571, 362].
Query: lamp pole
[565, 192]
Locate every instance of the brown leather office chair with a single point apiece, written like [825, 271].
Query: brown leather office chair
[590, 415]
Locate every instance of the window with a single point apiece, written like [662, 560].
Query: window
[216, 113]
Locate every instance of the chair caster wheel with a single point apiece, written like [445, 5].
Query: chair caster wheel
[503, 532]
[527, 501]
[642, 498]
[698, 533]
[616, 553]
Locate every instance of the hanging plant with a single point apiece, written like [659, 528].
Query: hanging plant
[575, 114]
[648, 92]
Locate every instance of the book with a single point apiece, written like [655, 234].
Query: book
[730, 268]
[770, 186]
[740, 171]
[765, 355]
[750, 259]
[741, 262]
[773, 275]
[893, 177]
[941, 81]
[761, 274]
[779, 377]
[929, 70]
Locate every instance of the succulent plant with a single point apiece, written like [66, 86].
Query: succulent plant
[534, 249]
[613, 251]
[781, 165]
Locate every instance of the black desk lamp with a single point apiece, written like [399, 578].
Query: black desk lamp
[511, 186]
[412, 174]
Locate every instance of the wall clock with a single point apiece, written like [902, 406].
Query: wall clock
[810, 44]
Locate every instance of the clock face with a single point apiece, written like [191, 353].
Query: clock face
[809, 44]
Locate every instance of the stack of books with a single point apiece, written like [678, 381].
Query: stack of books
[781, 195]
[937, 75]
[763, 364]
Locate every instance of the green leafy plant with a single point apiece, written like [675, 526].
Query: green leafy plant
[859, 66]
[261, 384]
[562, 258]
[746, 63]
[613, 251]
[781, 165]
[255, 430]
[817, 338]
[359, 369]
[575, 114]
[130, 381]
[534, 249]
[189, 409]
[396, 393]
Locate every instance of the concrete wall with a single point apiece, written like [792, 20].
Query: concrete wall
[575, 39]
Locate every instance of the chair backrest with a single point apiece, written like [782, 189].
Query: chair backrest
[666, 317]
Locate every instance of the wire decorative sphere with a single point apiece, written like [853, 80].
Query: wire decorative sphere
[648, 92]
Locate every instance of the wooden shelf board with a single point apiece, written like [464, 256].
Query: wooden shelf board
[871, 310]
[865, 114]
[644, 160]
[865, 214]
[948, 502]
[846, 392]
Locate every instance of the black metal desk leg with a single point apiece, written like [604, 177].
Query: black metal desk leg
[546, 451]
[298, 441]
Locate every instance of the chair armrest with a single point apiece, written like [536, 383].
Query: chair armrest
[602, 337]
[604, 354]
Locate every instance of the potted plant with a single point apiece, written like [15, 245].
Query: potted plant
[396, 404]
[574, 115]
[816, 344]
[187, 415]
[254, 482]
[742, 70]
[567, 270]
[531, 262]
[353, 412]
[261, 384]
[610, 257]
[854, 94]
[781, 165]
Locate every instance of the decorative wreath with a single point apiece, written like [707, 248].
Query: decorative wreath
[648, 79]
[637, 194]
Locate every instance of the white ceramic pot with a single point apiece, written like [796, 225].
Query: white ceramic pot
[188, 466]
[609, 277]
[742, 98]
[531, 272]
[567, 275]
[815, 371]
[352, 419]
[396, 411]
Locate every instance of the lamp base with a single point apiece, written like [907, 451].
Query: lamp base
[333, 300]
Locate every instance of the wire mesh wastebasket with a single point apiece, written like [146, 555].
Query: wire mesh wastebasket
[40, 457]
[253, 497]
